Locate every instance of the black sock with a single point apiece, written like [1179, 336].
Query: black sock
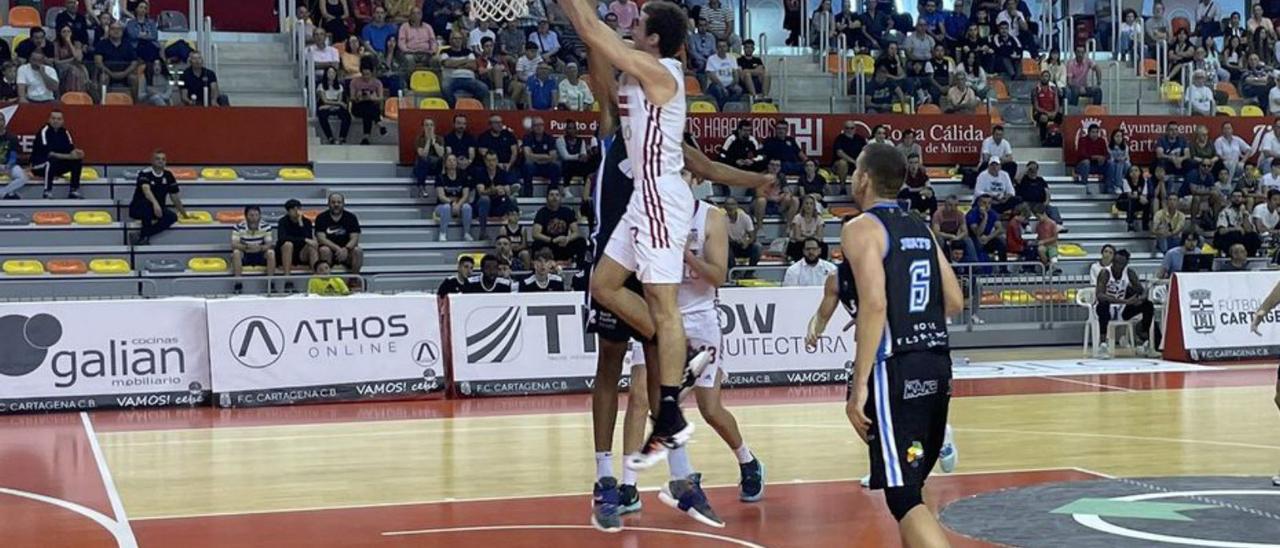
[668, 409]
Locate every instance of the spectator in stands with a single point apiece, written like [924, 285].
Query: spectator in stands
[70, 17]
[331, 102]
[459, 70]
[542, 91]
[741, 150]
[296, 243]
[454, 284]
[37, 42]
[154, 188]
[1181, 53]
[960, 98]
[1199, 96]
[1157, 26]
[909, 146]
[476, 36]
[493, 191]
[1238, 260]
[526, 67]
[1232, 150]
[628, 14]
[548, 42]
[1169, 224]
[490, 68]
[822, 28]
[9, 149]
[986, 230]
[995, 184]
[350, 57]
[723, 76]
[742, 234]
[338, 234]
[784, 203]
[574, 93]
[556, 228]
[1124, 300]
[996, 147]
[1188, 244]
[1008, 53]
[847, 146]
[1266, 217]
[807, 224]
[200, 85]
[375, 33]
[720, 22]
[1236, 226]
[37, 81]
[510, 41]
[54, 154]
[1134, 199]
[1094, 153]
[1078, 70]
[117, 61]
[809, 268]
[516, 238]
[918, 45]
[68, 60]
[1269, 149]
[367, 95]
[701, 45]
[1199, 185]
[544, 277]
[1130, 33]
[1033, 190]
[9, 84]
[939, 69]
[1208, 20]
[1117, 162]
[461, 144]
[755, 78]
[1044, 104]
[974, 74]
[490, 279]
[1256, 81]
[950, 227]
[500, 141]
[143, 33]
[882, 92]
[784, 148]
[251, 245]
[322, 53]
[335, 18]
[417, 39]
[1172, 151]
[453, 198]
[505, 252]
[393, 68]
[576, 154]
[540, 157]
[1258, 19]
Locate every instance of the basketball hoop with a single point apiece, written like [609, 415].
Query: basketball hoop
[499, 10]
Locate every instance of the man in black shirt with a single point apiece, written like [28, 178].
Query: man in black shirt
[489, 280]
[9, 149]
[847, 146]
[752, 71]
[1034, 191]
[71, 17]
[544, 278]
[540, 156]
[455, 284]
[296, 242]
[54, 154]
[493, 191]
[556, 228]
[116, 59]
[39, 41]
[499, 140]
[782, 146]
[199, 82]
[741, 150]
[338, 233]
[461, 144]
[154, 186]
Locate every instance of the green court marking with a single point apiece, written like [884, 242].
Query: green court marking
[1167, 511]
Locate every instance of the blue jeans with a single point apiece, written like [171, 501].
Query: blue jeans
[476, 88]
[722, 94]
[1126, 44]
[550, 172]
[1093, 93]
[17, 180]
[425, 167]
[1114, 180]
[1165, 244]
[444, 212]
[497, 206]
[1085, 169]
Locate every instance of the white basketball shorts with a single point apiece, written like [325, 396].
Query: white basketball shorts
[651, 238]
[702, 330]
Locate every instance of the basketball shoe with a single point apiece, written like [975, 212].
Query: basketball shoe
[605, 499]
[751, 486]
[686, 496]
[660, 443]
[949, 456]
[629, 501]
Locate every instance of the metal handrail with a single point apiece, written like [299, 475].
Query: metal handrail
[804, 25]
[1116, 16]
[1139, 55]
[824, 42]
[782, 69]
[860, 88]
[1162, 60]
[763, 42]
[843, 75]
[1067, 35]
[282, 13]
[1046, 21]
[1186, 84]
[744, 23]
[1115, 85]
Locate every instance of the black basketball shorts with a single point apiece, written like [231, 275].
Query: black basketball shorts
[907, 402]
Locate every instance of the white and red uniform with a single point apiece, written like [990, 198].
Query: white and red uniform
[697, 299]
[650, 239]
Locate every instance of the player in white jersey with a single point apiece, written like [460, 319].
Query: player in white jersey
[1264, 314]
[650, 238]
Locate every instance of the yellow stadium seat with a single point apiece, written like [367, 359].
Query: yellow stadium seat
[88, 174]
[865, 63]
[433, 103]
[24, 17]
[764, 107]
[51, 218]
[1208, 250]
[422, 81]
[1226, 111]
[964, 208]
[23, 267]
[297, 174]
[92, 218]
[1172, 92]
[207, 264]
[18, 40]
[474, 257]
[69, 267]
[1251, 111]
[228, 217]
[219, 174]
[195, 217]
[109, 266]
[702, 106]
[184, 173]
[1071, 250]
[1015, 296]
[757, 283]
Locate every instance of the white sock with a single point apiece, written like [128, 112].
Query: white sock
[744, 454]
[629, 475]
[678, 459]
[604, 464]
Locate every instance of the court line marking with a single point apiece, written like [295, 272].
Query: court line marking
[451, 500]
[698, 534]
[124, 538]
[108, 484]
[1121, 437]
[1087, 383]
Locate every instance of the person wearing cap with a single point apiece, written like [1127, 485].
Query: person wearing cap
[295, 240]
[995, 183]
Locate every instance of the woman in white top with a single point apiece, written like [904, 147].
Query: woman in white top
[806, 224]
[974, 73]
[331, 101]
[574, 92]
[1108, 253]
[1130, 32]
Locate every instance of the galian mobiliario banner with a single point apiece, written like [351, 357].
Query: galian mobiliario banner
[946, 139]
[1144, 131]
[189, 135]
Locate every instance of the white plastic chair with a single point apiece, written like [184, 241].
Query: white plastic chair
[1086, 297]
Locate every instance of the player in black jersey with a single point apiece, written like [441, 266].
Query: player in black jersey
[902, 365]
[1260, 315]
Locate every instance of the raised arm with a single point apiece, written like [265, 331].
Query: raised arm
[658, 83]
[701, 166]
[601, 72]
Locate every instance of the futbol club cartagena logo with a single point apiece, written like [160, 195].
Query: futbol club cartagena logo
[24, 342]
[1202, 311]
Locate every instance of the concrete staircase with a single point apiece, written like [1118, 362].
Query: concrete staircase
[256, 70]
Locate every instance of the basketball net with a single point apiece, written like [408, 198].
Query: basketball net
[499, 10]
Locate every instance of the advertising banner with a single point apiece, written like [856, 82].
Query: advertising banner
[67, 356]
[946, 139]
[537, 345]
[318, 349]
[1144, 131]
[1215, 310]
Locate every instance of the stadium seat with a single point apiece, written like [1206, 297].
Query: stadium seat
[764, 107]
[24, 17]
[109, 266]
[1171, 92]
[1226, 87]
[964, 208]
[1224, 110]
[311, 214]
[92, 218]
[18, 40]
[1251, 111]
[1071, 250]
[691, 87]
[433, 103]
[391, 108]
[219, 174]
[1030, 69]
[1016, 296]
[467, 103]
[1179, 24]
[196, 217]
[1149, 67]
[938, 172]
[1095, 110]
[843, 211]
[51, 218]
[990, 298]
[88, 174]
[702, 106]
[14, 218]
[865, 63]
[258, 173]
[229, 217]
[928, 108]
[184, 173]
[834, 62]
[23, 267]
[474, 256]
[750, 282]
[117, 98]
[65, 266]
[297, 174]
[165, 265]
[76, 98]
[174, 21]
[424, 81]
[1208, 250]
[207, 264]
[51, 16]
[736, 106]
[1001, 90]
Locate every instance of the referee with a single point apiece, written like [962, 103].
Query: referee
[901, 387]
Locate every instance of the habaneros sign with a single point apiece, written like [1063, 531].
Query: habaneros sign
[1144, 131]
[946, 139]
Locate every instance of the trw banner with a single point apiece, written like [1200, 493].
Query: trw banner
[946, 139]
[321, 349]
[1144, 131]
[537, 344]
[1214, 311]
[68, 356]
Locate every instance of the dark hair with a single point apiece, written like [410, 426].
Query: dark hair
[1189, 235]
[292, 203]
[1272, 193]
[544, 254]
[502, 237]
[806, 241]
[885, 166]
[669, 22]
[749, 42]
[1094, 126]
[368, 63]
[503, 262]
[487, 258]
[486, 40]
[249, 208]
[997, 127]
[37, 30]
[1123, 253]
[530, 45]
[466, 259]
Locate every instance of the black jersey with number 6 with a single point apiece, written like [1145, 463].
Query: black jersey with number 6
[916, 317]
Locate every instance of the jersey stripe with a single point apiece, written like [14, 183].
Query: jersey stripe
[884, 421]
[647, 188]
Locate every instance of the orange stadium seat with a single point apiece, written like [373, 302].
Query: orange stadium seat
[834, 62]
[1179, 23]
[1031, 69]
[1095, 110]
[467, 103]
[185, 173]
[24, 17]
[66, 266]
[229, 217]
[311, 214]
[51, 218]
[77, 98]
[940, 172]
[391, 108]
[118, 99]
[928, 108]
[1226, 87]
[692, 87]
[1149, 67]
[1001, 90]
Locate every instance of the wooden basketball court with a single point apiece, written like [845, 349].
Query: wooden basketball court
[518, 471]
